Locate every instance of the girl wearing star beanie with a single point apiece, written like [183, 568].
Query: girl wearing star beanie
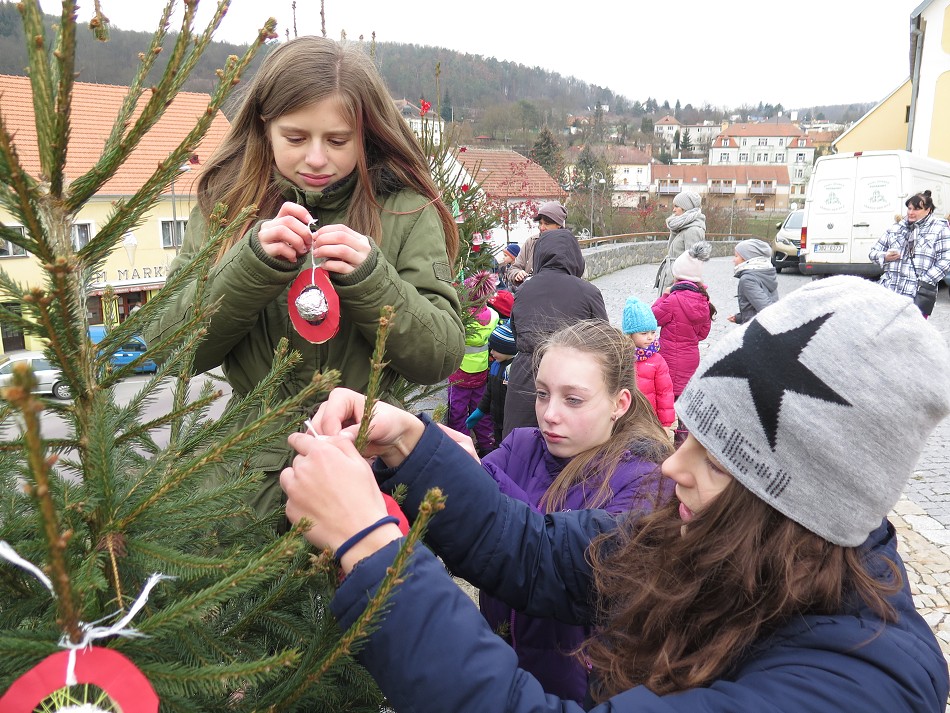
[772, 581]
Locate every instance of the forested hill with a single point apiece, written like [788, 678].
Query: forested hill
[409, 70]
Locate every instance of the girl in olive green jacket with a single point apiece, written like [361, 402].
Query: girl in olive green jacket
[318, 138]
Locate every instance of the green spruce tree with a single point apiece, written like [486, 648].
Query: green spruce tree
[548, 154]
[244, 623]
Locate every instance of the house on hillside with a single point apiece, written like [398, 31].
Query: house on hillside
[665, 129]
[139, 269]
[915, 115]
[512, 182]
[767, 144]
[746, 188]
[631, 171]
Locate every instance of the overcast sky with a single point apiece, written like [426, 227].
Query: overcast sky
[811, 52]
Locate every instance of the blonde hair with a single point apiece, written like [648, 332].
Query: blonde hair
[296, 75]
[637, 430]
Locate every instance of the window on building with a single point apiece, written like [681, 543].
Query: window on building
[781, 142]
[8, 249]
[724, 158]
[743, 157]
[80, 233]
[763, 142]
[799, 173]
[801, 142]
[800, 158]
[170, 237]
[779, 158]
[725, 142]
[745, 142]
[760, 204]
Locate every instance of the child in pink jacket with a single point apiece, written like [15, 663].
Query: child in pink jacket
[685, 315]
[653, 375]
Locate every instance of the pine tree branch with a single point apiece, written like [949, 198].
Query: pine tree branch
[40, 82]
[63, 75]
[22, 202]
[366, 623]
[19, 394]
[386, 317]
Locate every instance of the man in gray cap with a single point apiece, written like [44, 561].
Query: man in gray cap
[550, 216]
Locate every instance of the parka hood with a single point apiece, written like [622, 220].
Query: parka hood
[558, 250]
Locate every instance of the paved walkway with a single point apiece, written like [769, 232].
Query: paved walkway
[922, 517]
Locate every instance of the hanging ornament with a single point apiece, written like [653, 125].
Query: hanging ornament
[313, 304]
[127, 688]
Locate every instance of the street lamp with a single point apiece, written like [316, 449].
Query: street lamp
[598, 177]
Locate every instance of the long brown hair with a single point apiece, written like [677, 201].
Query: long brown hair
[679, 606]
[637, 430]
[295, 75]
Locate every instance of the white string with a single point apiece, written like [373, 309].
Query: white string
[91, 632]
[8, 553]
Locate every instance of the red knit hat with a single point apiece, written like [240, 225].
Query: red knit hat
[502, 303]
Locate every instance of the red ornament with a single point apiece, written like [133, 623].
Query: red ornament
[104, 668]
[314, 332]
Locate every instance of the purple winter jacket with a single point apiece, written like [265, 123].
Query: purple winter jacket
[524, 469]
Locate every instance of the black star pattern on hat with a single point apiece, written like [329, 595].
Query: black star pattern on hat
[770, 363]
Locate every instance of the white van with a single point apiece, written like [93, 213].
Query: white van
[853, 198]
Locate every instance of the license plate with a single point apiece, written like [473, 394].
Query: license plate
[828, 248]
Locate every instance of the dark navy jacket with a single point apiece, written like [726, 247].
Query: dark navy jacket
[433, 651]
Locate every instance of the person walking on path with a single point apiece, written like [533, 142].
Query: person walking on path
[557, 295]
[687, 227]
[467, 384]
[772, 580]
[653, 374]
[550, 216]
[684, 315]
[915, 253]
[758, 285]
[502, 350]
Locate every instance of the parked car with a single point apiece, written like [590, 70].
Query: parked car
[49, 380]
[788, 241]
[127, 353]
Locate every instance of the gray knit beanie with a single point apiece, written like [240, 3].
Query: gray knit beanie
[753, 247]
[796, 403]
[687, 200]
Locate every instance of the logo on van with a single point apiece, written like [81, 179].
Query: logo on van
[876, 198]
[830, 202]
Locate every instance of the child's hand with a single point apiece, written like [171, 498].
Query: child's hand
[331, 486]
[393, 434]
[287, 236]
[468, 445]
[731, 318]
[343, 248]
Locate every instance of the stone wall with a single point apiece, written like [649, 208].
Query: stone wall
[604, 259]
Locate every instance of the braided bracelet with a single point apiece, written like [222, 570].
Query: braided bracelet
[346, 546]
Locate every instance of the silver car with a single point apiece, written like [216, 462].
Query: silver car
[49, 380]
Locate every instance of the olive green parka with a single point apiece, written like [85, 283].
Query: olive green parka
[409, 270]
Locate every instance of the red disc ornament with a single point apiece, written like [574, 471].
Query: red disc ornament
[104, 668]
[316, 331]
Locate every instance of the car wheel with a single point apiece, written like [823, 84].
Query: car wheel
[61, 390]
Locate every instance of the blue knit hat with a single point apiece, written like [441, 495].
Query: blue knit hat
[502, 340]
[637, 317]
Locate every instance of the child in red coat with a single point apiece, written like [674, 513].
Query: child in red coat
[653, 375]
[685, 315]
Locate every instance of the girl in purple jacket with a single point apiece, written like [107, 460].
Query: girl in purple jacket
[597, 446]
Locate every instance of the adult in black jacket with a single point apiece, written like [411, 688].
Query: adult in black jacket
[554, 296]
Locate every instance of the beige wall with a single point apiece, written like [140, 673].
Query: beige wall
[940, 129]
[125, 269]
[883, 128]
